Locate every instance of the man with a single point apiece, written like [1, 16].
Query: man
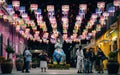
[80, 55]
[28, 57]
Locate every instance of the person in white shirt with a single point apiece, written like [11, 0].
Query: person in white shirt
[80, 56]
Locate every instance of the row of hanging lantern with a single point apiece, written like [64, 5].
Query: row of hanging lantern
[52, 19]
[65, 21]
[82, 12]
[23, 23]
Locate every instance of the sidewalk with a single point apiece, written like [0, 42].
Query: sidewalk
[37, 71]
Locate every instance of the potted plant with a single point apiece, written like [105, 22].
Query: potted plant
[7, 64]
[34, 62]
[113, 65]
[19, 62]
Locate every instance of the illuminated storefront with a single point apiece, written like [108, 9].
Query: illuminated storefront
[110, 41]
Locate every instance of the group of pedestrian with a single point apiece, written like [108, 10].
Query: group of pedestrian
[28, 58]
[86, 59]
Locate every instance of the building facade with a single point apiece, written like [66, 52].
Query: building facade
[8, 35]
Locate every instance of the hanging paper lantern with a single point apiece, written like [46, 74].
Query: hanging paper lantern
[98, 28]
[52, 20]
[24, 15]
[106, 14]
[15, 16]
[79, 18]
[16, 4]
[94, 16]
[111, 10]
[50, 7]
[22, 9]
[38, 11]
[5, 17]
[65, 36]
[10, 9]
[101, 5]
[102, 20]
[34, 7]
[65, 8]
[98, 12]
[94, 33]
[116, 3]
[27, 30]
[45, 35]
[68, 40]
[18, 28]
[65, 19]
[83, 8]
[2, 1]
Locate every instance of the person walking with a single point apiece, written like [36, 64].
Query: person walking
[91, 59]
[79, 54]
[99, 60]
[28, 59]
[86, 61]
[24, 60]
[43, 61]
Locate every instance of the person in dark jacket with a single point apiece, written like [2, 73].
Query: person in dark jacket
[24, 60]
[91, 58]
[99, 60]
[86, 60]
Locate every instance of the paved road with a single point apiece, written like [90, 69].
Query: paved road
[37, 71]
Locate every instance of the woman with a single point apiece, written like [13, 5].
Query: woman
[99, 60]
[43, 61]
[80, 56]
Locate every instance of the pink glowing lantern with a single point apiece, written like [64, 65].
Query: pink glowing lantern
[101, 5]
[94, 33]
[79, 18]
[15, 16]
[68, 40]
[65, 19]
[27, 30]
[2, 1]
[102, 20]
[116, 3]
[46, 34]
[5, 17]
[18, 28]
[65, 8]
[106, 14]
[83, 8]
[94, 16]
[50, 7]
[16, 4]
[52, 20]
[33, 7]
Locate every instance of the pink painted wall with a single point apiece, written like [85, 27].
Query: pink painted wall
[15, 39]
